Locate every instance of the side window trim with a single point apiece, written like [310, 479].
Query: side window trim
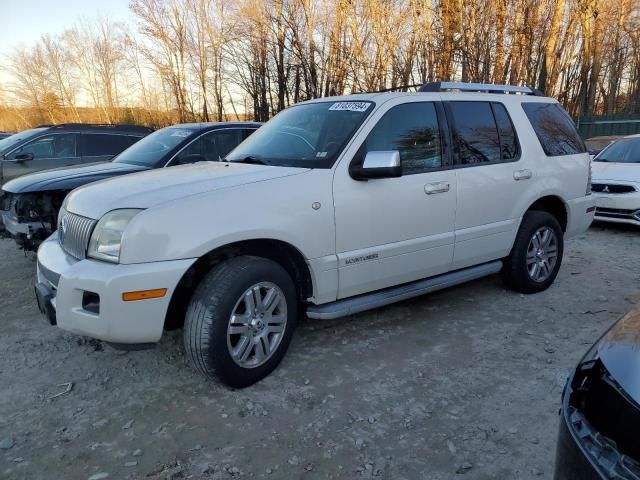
[454, 150]
[446, 139]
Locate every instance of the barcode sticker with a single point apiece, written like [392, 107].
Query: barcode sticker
[350, 106]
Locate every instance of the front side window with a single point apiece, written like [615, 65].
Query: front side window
[554, 128]
[310, 135]
[7, 143]
[475, 134]
[412, 130]
[622, 151]
[152, 149]
[99, 144]
[212, 146]
[61, 145]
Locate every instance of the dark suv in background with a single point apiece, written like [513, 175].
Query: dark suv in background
[29, 205]
[52, 146]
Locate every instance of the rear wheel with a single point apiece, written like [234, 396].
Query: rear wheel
[240, 321]
[536, 256]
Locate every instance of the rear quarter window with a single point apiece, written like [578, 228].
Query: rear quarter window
[554, 128]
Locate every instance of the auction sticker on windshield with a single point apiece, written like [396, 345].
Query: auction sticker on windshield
[350, 106]
[181, 133]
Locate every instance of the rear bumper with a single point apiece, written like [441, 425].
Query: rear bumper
[86, 295]
[580, 214]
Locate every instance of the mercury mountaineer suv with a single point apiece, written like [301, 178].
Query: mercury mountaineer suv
[335, 206]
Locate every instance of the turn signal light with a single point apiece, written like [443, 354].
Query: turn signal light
[144, 294]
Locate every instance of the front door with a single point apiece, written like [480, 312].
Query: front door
[49, 151]
[395, 230]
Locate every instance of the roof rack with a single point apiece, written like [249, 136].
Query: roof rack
[479, 87]
[398, 88]
[125, 127]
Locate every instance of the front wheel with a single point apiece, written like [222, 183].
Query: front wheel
[535, 259]
[240, 320]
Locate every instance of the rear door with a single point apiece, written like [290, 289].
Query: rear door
[102, 147]
[492, 173]
[45, 152]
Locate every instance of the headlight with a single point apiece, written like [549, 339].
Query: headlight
[107, 236]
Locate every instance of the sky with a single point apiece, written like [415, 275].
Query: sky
[25, 21]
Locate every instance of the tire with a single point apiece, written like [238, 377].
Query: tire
[210, 335]
[519, 271]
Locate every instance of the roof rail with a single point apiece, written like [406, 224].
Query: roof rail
[479, 87]
[398, 88]
[126, 127]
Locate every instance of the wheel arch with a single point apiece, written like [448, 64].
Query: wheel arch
[554, 205]
[283, 253]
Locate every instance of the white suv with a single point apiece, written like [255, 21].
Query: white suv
[335, 206]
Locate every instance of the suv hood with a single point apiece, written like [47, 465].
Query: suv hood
[68, 178]
[154, 187]
[619, 351]
[620, 172]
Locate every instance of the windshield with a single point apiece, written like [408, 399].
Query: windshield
[7, 143]
[309, 135]
[622, 151]
[149, 151]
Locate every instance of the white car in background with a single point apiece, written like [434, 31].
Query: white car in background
[616, 182]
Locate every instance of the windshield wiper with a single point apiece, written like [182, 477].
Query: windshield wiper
[252, 159]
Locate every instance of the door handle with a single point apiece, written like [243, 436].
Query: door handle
[522, 174]
[438, 187]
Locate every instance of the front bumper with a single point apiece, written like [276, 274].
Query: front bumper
[14, 227]
[580, 213]
[618, 208]
[583, 453]
[86, 295]
[27, 235]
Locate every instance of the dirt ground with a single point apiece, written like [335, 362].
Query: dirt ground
[463, 383]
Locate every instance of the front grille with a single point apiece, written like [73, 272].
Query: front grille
[618, 213]
[611, 188]
[74, 232]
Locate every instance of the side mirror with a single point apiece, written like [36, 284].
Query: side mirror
[24, 157]
[384, 164]
[194, 158]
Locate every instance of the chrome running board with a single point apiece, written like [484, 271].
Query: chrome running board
[380, 298]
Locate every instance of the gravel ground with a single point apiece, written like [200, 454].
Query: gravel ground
[463, 383]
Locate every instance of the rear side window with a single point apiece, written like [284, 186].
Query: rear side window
[97, 144]
[475, 134]
[554, 128]
[411, 129]
[509, 149]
